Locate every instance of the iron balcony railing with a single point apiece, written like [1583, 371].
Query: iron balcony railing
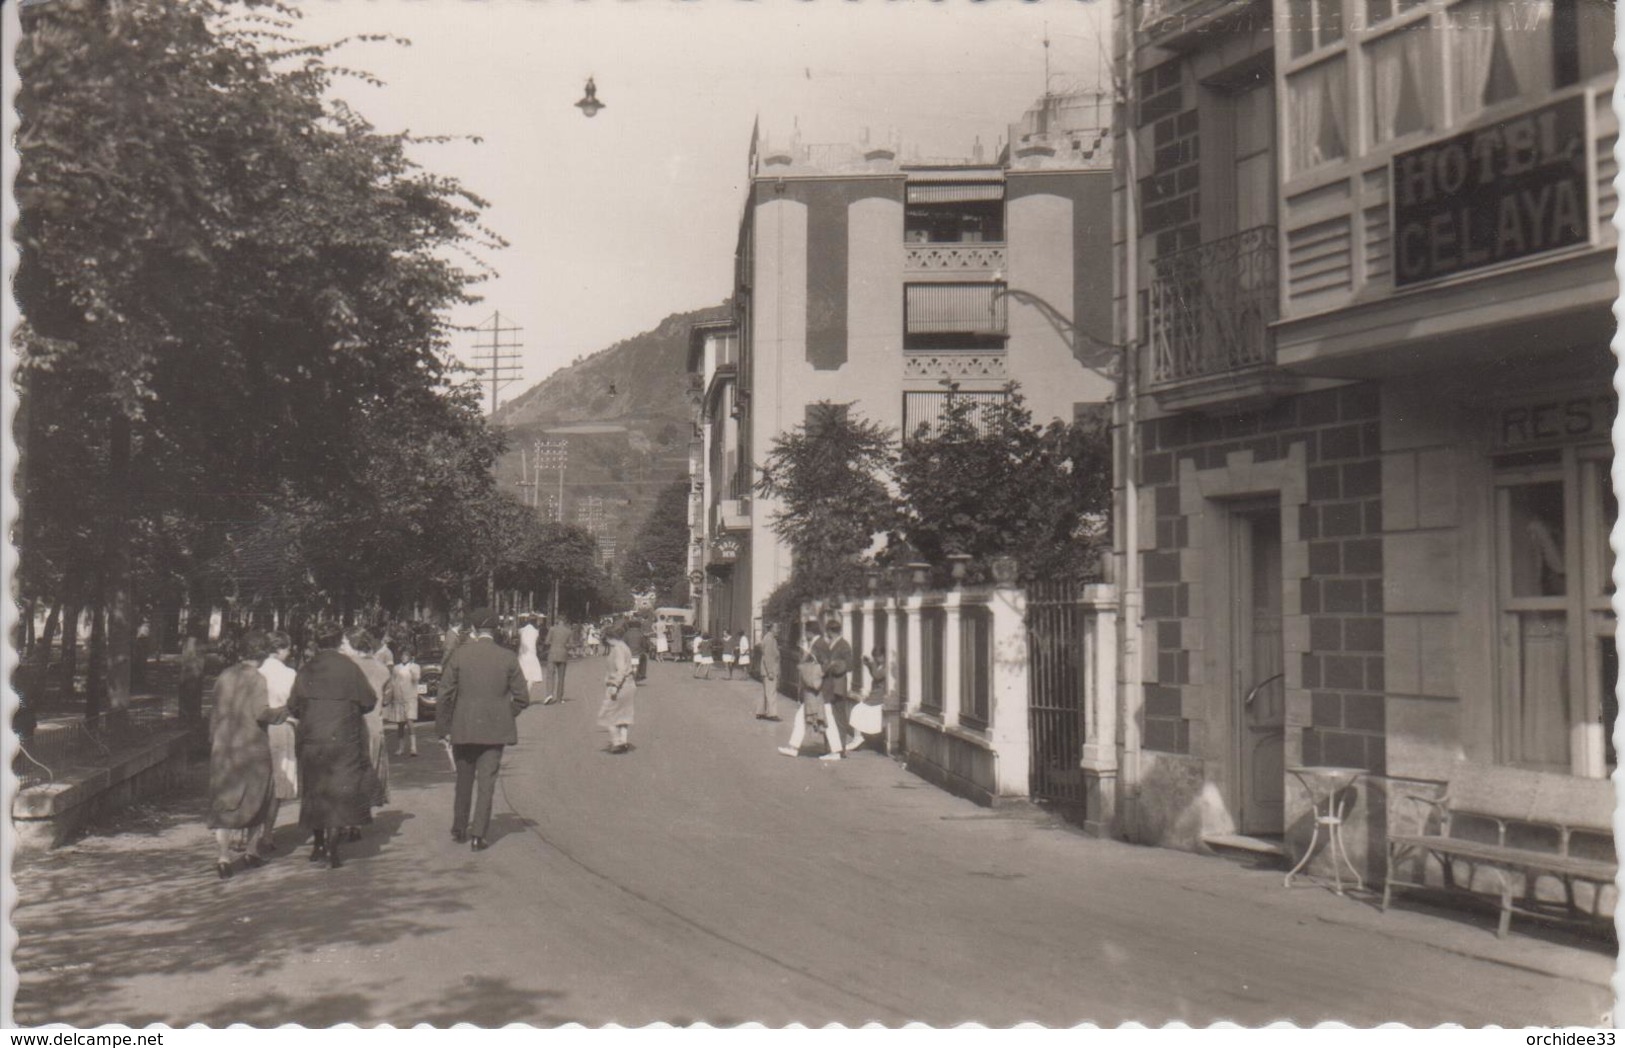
[1211, 307]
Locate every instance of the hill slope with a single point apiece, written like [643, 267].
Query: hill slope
[624, 445]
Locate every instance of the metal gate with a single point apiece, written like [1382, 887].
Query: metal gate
[1055, 677]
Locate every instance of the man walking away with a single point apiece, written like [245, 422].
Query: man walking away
[482, 690]
[768, 652]
[558, 655]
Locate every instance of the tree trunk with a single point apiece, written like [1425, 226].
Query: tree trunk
[70, 647]
[96, 662]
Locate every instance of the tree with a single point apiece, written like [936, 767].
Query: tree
[830, 475]
[989, 481]
[661, 545]
[228, 280]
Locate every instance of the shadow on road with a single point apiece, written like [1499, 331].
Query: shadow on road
[130, 901]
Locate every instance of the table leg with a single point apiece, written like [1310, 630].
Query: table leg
[1308, 853]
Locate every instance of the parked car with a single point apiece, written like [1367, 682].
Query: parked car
[431, 656]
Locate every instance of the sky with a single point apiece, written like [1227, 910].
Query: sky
[615, 222]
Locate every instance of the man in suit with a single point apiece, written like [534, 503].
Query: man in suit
[482, 691]
[834, 653]
[558, 654]
[634, 644]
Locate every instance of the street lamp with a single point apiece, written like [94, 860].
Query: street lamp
[589, 104]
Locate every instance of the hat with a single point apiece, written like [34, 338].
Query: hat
[484, 619]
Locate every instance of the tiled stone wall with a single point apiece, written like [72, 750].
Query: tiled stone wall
[1340, 593]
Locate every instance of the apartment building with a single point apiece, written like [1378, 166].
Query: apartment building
[874, 281]
[1368, 253]
[720, 475]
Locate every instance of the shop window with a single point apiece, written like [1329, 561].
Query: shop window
[1558, 667]
[958, 213]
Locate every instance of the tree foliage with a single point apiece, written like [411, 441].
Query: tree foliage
[661, 546]
[235, 292]
[830, 477]
[987, 481]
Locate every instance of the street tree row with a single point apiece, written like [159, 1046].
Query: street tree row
[234, 366]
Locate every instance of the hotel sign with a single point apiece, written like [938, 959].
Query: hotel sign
[1506, 191]
[725, 550]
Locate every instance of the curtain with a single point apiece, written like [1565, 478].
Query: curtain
[1501, 50]
[1526, 33]
[1316, 109]
[1401, 97]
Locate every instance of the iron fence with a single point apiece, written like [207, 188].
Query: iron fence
[1056, 691]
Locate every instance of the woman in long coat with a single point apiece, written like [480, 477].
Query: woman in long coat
[620, 688]
[331, 697]
[241, 792]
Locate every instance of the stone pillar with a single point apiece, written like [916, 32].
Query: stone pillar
[910, 606]
[1008, 705]
[951, 668]
[1100, 710]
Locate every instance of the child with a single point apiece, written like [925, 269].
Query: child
[702, 655]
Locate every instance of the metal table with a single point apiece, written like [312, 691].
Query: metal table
[1325, 785]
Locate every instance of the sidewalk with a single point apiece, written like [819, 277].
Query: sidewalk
[1560, 952]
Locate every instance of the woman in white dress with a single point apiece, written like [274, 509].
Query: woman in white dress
[401, 702]
[530, 664]
[284, 764]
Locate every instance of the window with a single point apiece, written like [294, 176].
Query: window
[1499, 52]
[954, 213]
[1558, 666]
[922, 412]
[953, 316]
[1417, 67]
[1317, 115]
[1402, 91]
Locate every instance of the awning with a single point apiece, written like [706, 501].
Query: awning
[961, 193]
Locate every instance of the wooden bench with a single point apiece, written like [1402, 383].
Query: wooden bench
[1504, 796]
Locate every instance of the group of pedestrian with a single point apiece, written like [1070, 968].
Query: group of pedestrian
[726, 651]
[316, 733]
[826, 707]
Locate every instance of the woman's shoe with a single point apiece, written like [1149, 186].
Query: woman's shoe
[333, 860]
[254, 860]
[789, 751]
[223, 869]
[833, 756]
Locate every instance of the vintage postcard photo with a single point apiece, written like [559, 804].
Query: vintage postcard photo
[711, 512]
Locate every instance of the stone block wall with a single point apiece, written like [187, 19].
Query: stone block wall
[1339, 591]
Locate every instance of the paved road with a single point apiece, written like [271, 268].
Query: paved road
[704, 877]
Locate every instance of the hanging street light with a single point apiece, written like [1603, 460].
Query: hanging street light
[589, 103]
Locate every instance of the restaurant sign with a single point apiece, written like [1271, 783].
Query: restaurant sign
[1576, 418]
[1506, 191]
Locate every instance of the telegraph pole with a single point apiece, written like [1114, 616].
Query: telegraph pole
[497, 353]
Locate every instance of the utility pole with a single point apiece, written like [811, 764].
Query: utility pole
[497, 353]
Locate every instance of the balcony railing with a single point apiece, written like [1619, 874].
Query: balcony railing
[1212, 305]
[953, 258]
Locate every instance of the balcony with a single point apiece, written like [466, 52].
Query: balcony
[1181, 25]
[1211, 311]
[954, 258]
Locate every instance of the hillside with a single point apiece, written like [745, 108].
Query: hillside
[624, 445]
